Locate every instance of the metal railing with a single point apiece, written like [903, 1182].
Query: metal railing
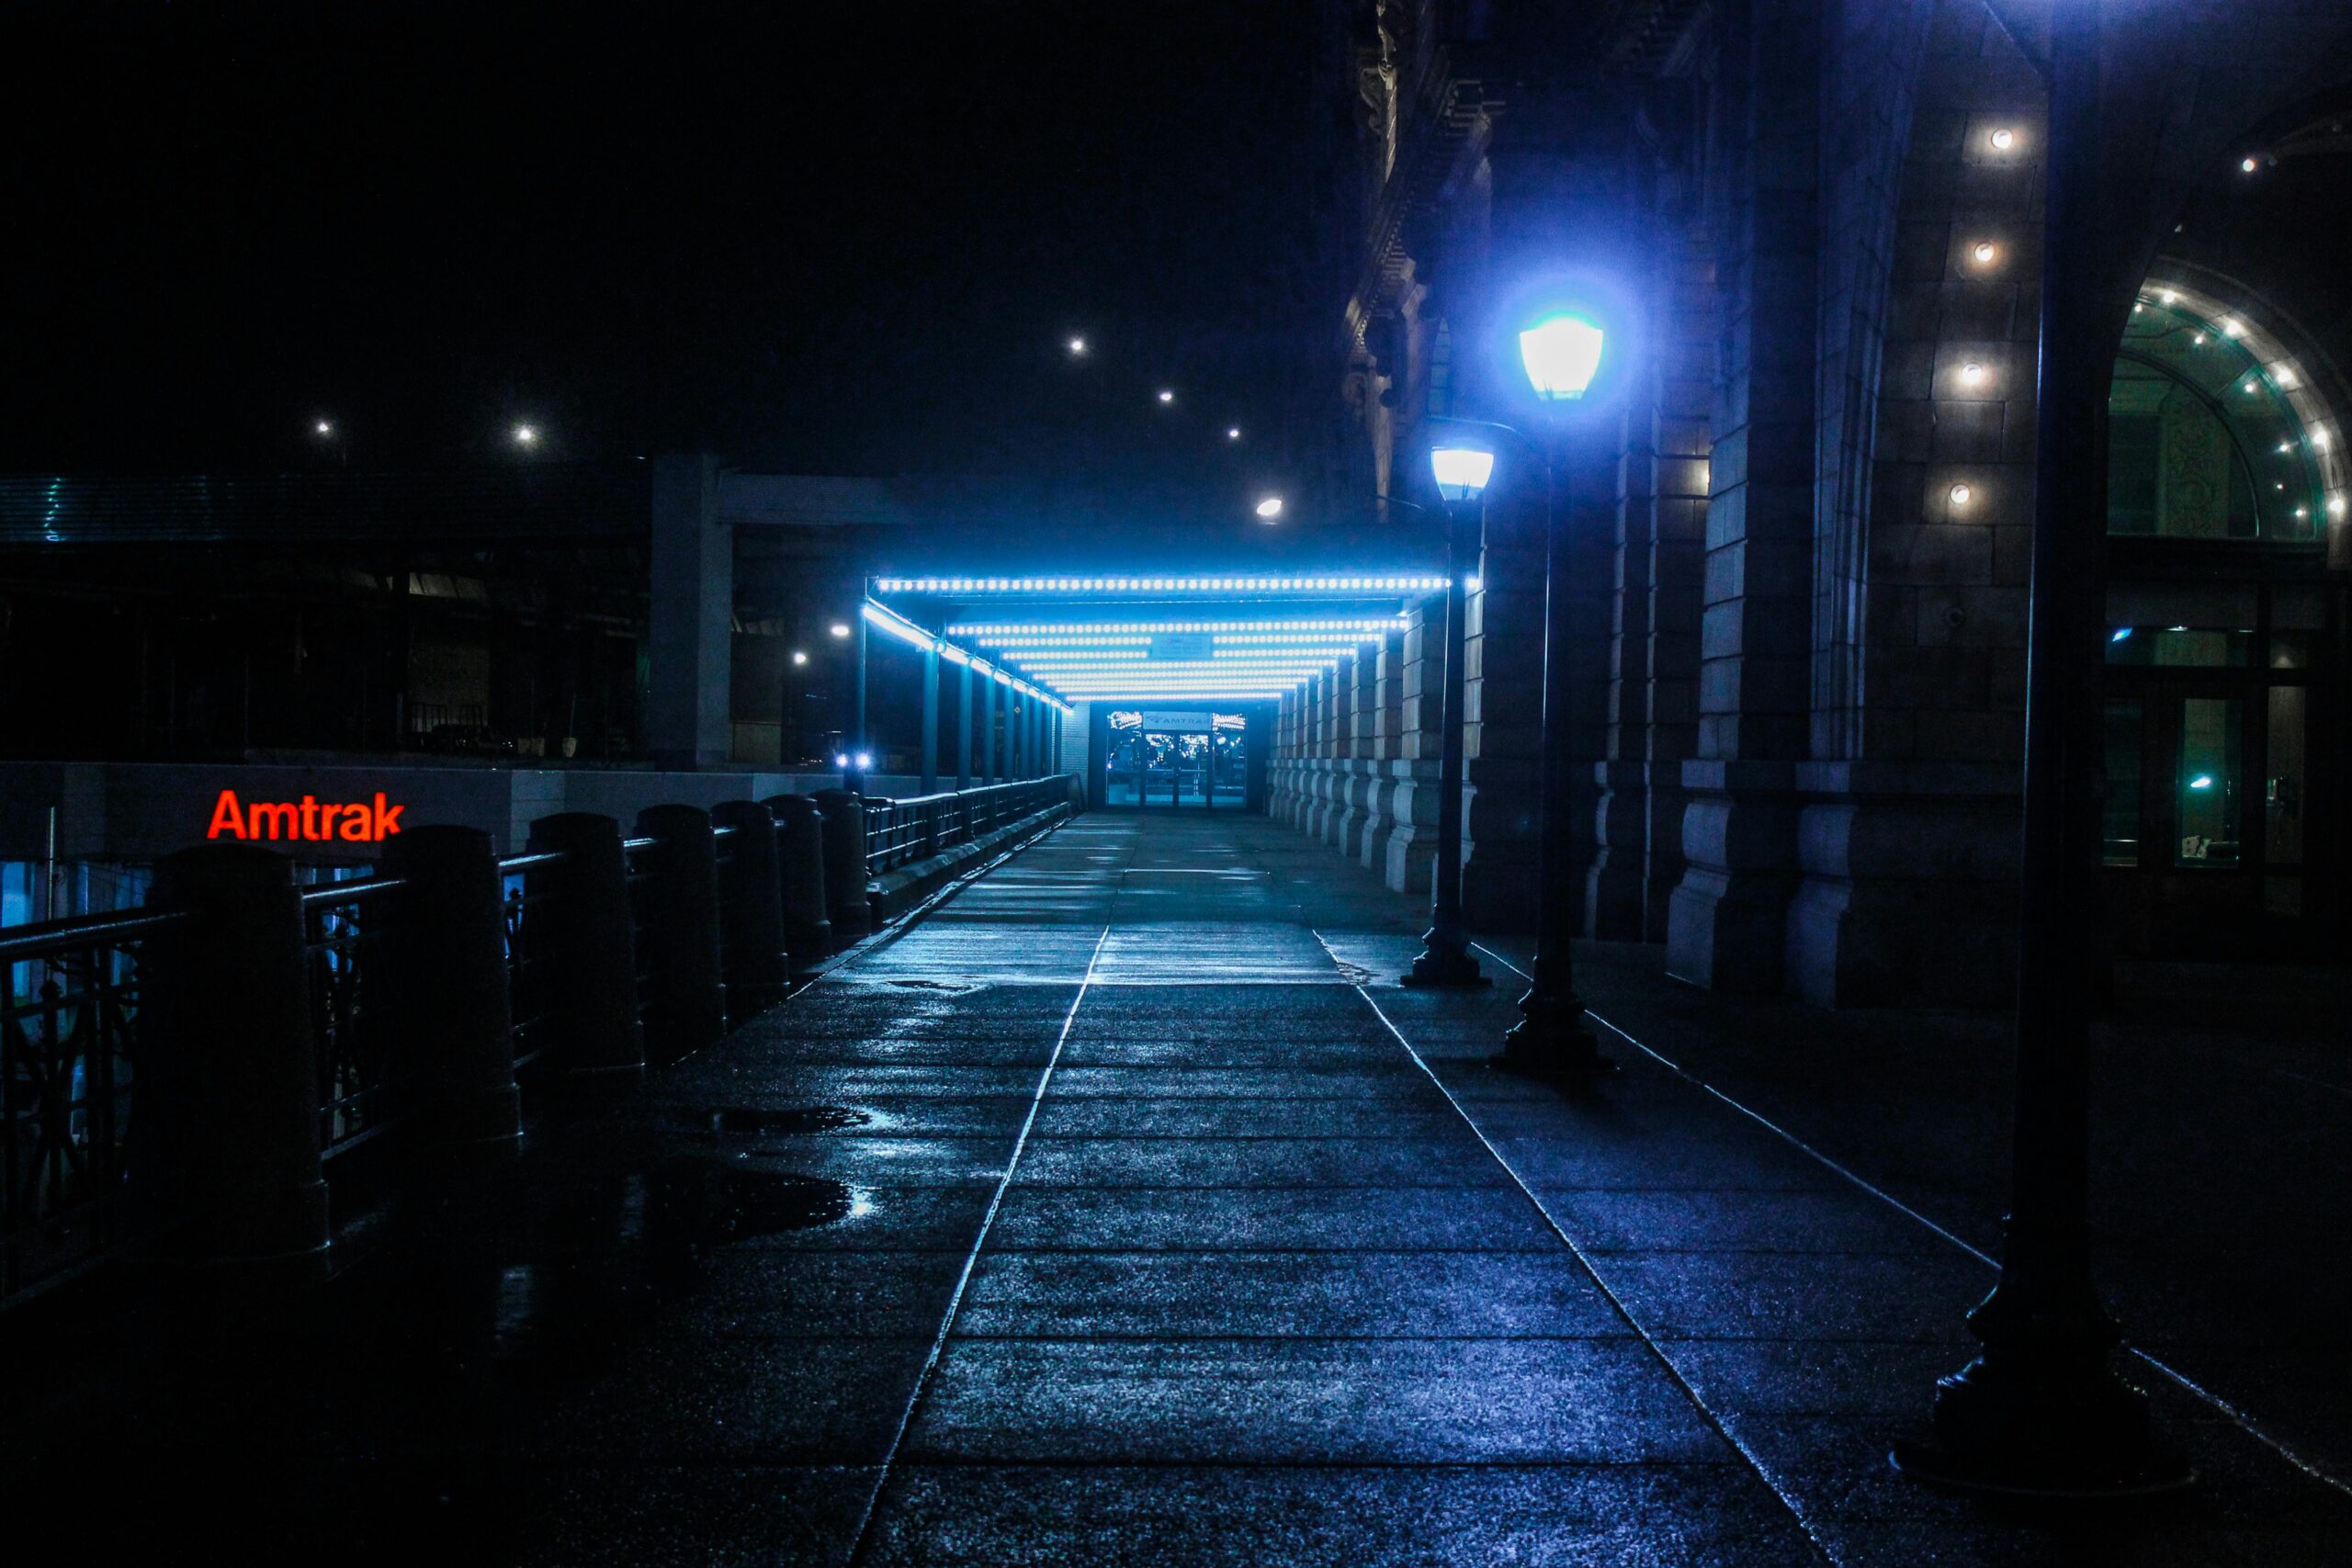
[69, 1045]
[900, 832]
[70, 1040]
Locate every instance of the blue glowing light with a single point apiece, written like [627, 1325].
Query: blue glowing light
[2202, 780]
[2120, 633]
[1460, 471]
[1561, 354]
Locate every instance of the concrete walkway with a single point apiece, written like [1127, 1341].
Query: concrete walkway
[1177, 1233]
[1123, 1210]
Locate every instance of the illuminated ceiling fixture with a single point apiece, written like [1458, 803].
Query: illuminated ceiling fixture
[1561, 353]
[1972, 373]
[970, 585]
[2247, 165]
[324, 427]
[1961, 495]
[1233, 433]
[838, 628]
[989, 630]
[1270, 509]
[798, 657]
[1983, 253]
[2004, 139]
[1167, 396]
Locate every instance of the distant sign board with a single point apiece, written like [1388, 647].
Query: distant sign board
[1191, 647]
[1167, 722]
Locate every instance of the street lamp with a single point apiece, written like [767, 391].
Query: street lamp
[2040, 1410]
[1564, 352]
[1461, 468]
[526, 436]
[1270, 509]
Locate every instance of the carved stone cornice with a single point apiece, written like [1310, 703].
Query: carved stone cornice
[1448, 122]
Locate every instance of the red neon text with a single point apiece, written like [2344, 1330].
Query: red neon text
[309, 819]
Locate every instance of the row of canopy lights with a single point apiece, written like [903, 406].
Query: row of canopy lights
[952, 585]
[888, 620]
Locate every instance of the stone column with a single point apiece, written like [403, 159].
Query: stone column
[692, 595]
[1387, 750]
[1502, 701]
[1412, 839]
[1727, 918]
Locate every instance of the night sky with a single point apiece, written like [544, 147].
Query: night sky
[824, 240]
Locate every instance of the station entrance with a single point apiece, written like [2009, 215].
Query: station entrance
[1185, 759]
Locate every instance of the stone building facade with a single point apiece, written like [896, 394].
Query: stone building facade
[1796, 646]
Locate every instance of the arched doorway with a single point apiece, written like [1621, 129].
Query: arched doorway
[2224, 652]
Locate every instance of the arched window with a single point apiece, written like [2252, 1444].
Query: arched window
[2209, 435]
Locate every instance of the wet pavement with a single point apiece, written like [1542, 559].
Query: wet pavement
[1125, 1210]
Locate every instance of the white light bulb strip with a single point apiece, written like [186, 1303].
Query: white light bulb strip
[1391, 583]
[986, 630]
[888, 620]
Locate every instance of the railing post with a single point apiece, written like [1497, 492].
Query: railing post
[454, 1024]
[686, 1007]
[845, 879]
[226, 1161]
[580, 934]
[750, 907]
[929, 828]
[800, 874]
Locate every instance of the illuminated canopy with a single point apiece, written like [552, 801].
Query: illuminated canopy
[1225, 637]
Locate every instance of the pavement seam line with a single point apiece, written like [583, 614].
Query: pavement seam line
[2236, 1415]
[1666, 1362]
[971, 1260]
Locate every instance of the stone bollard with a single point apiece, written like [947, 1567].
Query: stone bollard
[686, 1005]
[800, 874]
[582, 951]
[225, 1161]
[751, 909]
[845, 879]
[446, 956]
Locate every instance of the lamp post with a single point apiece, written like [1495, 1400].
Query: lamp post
[1462, 468]
[1561, 353]
[2041, 1410]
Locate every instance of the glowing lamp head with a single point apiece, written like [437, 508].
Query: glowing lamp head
[1167, 396]
[324, 427]
[1562, 355]
[1233, 433]
[1971, 374]
[1077, 346]
[2247, 165]
[798, 657]
[1461, 470]
[2004, 139]
[866, 759]
[840, 759]
[1983, 253]
[1961, 495]
[526, 436]
[838, 628]
[1269, 508]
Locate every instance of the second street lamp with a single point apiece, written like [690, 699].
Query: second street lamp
[1462, 470]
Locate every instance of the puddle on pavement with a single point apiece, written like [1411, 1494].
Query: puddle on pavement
[760, 1121]
[711, 1202]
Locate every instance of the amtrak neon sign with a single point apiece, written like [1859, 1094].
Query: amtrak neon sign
[308, 820]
